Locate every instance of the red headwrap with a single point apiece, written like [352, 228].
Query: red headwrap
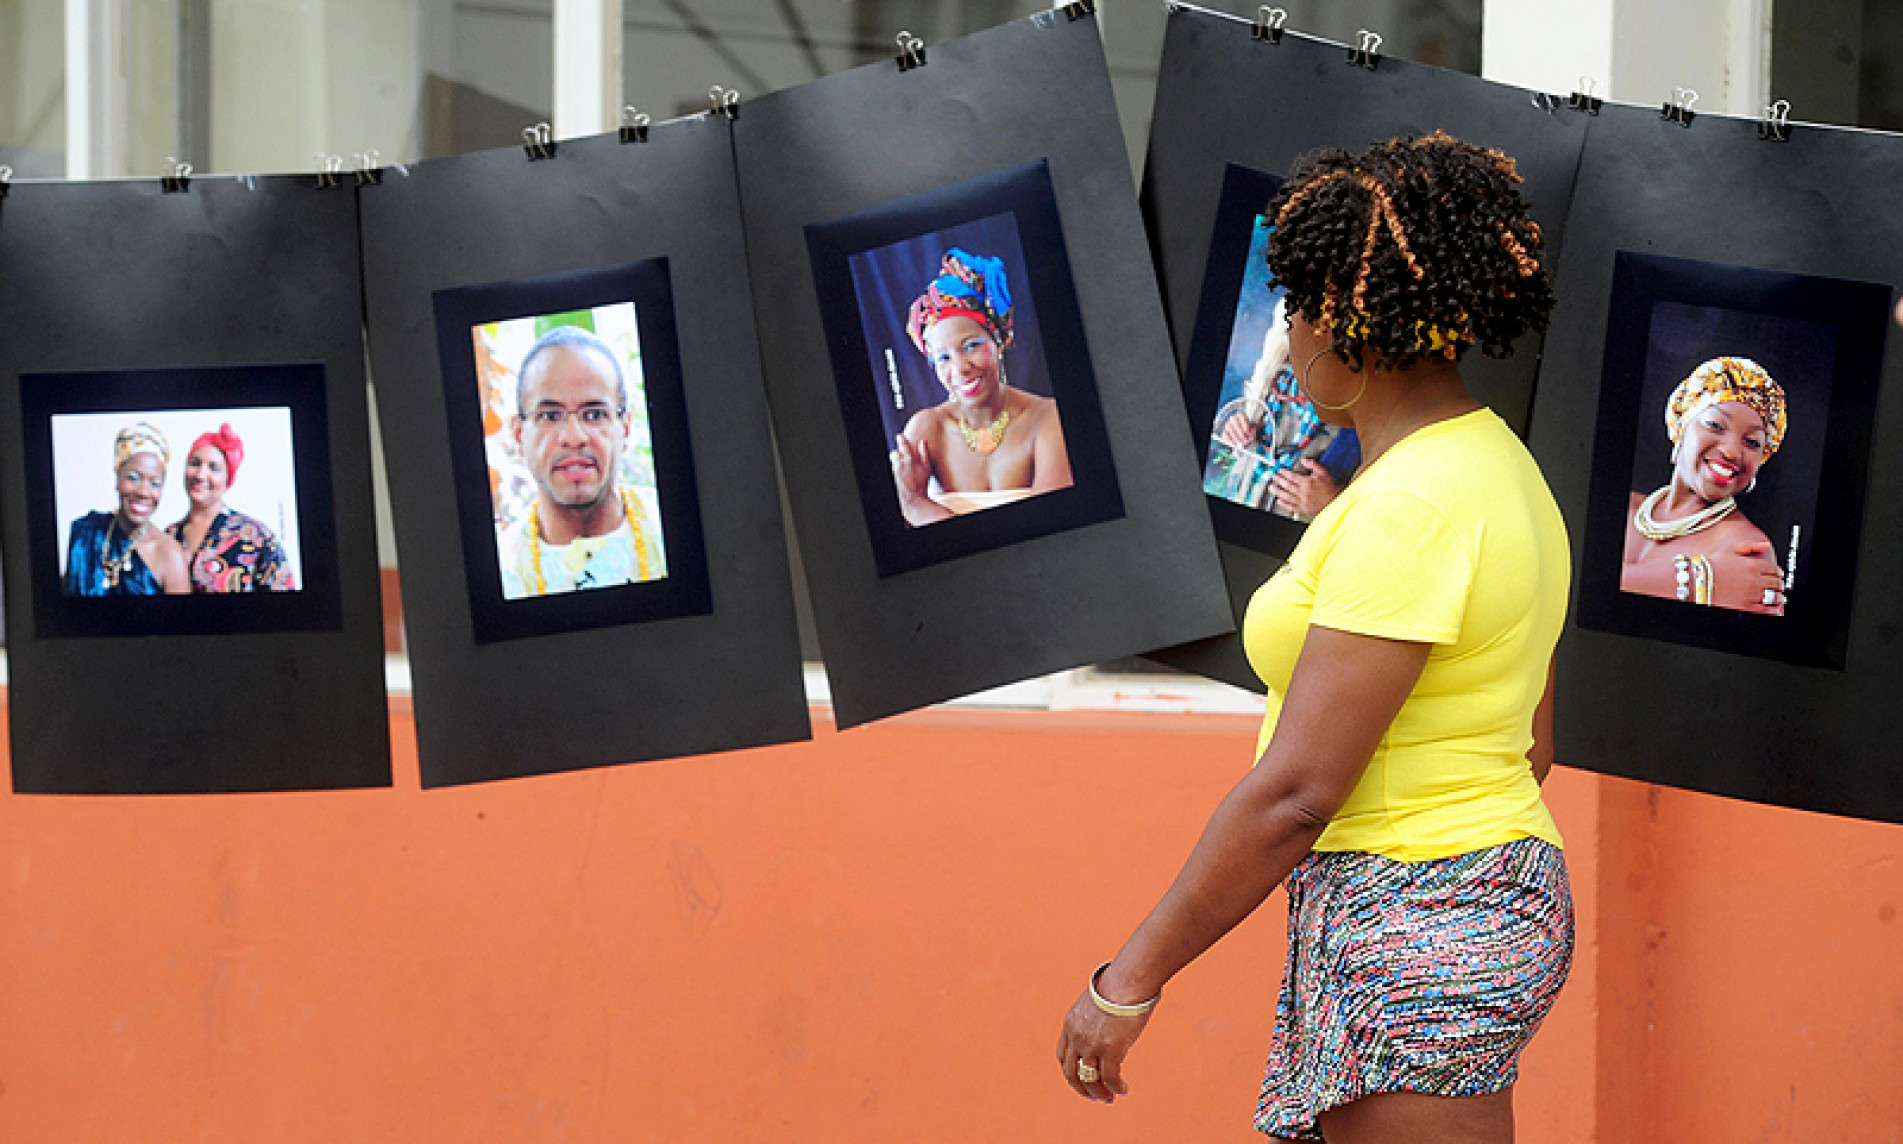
[229, 444]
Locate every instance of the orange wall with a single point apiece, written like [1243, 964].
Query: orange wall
[871, 937]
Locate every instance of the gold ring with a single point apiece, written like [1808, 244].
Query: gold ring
[1087, 1073]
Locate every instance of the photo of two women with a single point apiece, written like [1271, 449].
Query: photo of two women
[176, 502]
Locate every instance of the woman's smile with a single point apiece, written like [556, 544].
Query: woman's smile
[1722, 469]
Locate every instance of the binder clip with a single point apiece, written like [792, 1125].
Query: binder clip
[6, 179]
[634, 124]
[1367, 52]
[1775, 125]
[1679, 110]
[178, 177]
[1584, 99]
[330, 170]
[725, 101]
[911, 51]
[1268, 23]
[1078, 9]
[539, 142]
[368, 173]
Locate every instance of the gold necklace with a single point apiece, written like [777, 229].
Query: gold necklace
[630, 510]
[1697, 522]
[111, 567]
[985, 441]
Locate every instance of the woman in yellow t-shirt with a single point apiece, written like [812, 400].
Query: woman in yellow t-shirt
[1407, 647]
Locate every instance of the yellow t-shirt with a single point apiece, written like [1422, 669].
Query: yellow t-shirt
[1450, 538]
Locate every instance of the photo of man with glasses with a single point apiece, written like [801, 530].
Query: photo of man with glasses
[587, 526]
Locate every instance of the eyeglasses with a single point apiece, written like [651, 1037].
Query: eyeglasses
[552, 417]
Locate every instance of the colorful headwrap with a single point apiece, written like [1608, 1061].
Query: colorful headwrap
[227, 443]
[1439, 339]
[967, 284]
[1729, 379]
[139, 437]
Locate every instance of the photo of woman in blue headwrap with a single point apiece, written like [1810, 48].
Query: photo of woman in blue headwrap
[987, 443]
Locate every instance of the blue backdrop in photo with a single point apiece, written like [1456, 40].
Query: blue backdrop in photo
[1799, 354]
[1255, 312]
[886, 281]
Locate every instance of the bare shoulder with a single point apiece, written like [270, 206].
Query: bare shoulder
[1030, 406]
[926, 423]
[163, 552]
[1738, 529]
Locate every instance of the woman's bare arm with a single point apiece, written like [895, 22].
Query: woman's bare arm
[1345, 691]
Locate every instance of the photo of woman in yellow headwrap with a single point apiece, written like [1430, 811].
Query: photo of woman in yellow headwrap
[122, 553]
[1688, 540]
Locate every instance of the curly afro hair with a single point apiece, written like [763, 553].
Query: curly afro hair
[1417, 247]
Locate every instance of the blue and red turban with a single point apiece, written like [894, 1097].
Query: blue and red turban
[967, 284]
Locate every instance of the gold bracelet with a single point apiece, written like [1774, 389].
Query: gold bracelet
[1111, 1007]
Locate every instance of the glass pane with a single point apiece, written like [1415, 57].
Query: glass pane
[1880, 74]
[33, 87]
[488, 72]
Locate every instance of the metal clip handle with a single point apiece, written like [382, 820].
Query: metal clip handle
[1269, 21]
[539, 141]
[6, 179]
[1775, 125]
[369, 174]
[1679, 110]
[1367, 51]
[177, 178]
[911, 51]
[725, 101]
[1584, 99]
[634, 124]
[1078, 9]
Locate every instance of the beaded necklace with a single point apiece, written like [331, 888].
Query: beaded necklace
[630, 510]
[1697, 522]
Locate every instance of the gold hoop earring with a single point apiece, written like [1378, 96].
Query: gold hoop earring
[1319, 403]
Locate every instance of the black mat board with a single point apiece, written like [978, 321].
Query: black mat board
[114, 398]
[102, 277]
[628, 690]
[682, 589]
[1227, 103]
[1049, 340]
[1822, 340]
[1034, 90]
[1822, 204]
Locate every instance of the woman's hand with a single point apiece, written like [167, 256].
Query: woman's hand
[911, 472]
[1742, 575]
[1095, 1038]
[1306, 492]
[911, 468]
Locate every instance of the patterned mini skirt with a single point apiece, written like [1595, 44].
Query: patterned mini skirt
[1413, 977]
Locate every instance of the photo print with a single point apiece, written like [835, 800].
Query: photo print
[961, 369]
[1731, 457]
[180, 501]
[1269, 461]
[568, 437]
[169, 514]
